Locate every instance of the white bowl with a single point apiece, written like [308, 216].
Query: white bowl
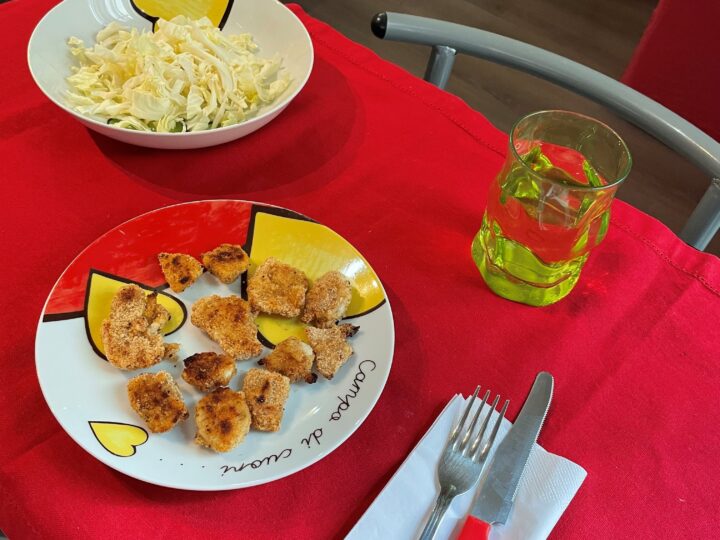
[274, 27]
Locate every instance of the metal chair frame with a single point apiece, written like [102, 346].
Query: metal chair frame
[447, 39]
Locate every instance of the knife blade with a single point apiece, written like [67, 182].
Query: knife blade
[497, 493]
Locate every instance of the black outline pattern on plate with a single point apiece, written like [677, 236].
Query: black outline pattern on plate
[134, 446]
[52, 317]
[273, 211]
[153, 20]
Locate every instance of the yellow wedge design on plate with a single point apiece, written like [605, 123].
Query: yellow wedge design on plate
[194, 9]
[314, 249]
[119, 439]
[100, 291]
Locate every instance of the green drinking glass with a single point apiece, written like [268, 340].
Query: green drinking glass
[549, 205]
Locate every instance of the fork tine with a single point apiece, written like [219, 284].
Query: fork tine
[483, 427]
[469, 431]
[483, 453]
[459, 425]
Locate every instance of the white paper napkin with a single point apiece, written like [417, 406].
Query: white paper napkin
[402, 508]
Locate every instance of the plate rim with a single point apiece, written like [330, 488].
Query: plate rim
[234, 486]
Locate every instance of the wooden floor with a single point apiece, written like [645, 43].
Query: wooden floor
[601, 34]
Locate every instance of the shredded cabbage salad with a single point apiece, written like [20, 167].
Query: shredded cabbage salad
[186, 76]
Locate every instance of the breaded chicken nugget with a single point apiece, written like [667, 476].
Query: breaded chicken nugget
[266, 393]
[277, 288]
[208, 370]
[180, 270]
[292, 358]
[131, 333]
[331, 349]
[327, 300]
[226, 262]
[228, 321]
[157, 399]
[223, 420]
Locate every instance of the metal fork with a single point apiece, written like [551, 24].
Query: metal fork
[461, 463]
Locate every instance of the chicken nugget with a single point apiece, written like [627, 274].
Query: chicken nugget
[277, 288]
[331, 349]
[292, 358]
[228, 322]
[226, 262]
[131, 332]
[266, 393]
[157, 399]
[180, 270]
[327, 300]
[223, 420]
[208, 370]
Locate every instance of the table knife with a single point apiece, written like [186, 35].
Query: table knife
[497, 493]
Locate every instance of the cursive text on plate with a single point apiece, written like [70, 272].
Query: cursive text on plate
[354, 390]
[257, 463]
[313, 437]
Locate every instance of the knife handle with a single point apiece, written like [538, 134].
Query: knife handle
[474, 529]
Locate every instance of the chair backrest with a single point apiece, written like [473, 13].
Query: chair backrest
[447, 39]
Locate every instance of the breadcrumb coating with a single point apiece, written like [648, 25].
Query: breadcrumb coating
[266, 393]
[157, 399]
[292, 358]
[208, 370]
[331, 348]
[223, 420]
[226, 262]
[327, 300]
[131, 333]
[180, 270]
[277, 288]
[229, 322]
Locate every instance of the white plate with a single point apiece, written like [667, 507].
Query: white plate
[88, 396]
[274, 27]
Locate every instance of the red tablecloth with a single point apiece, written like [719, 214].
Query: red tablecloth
[400, 169]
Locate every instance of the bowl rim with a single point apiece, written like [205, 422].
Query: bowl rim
[274, 109]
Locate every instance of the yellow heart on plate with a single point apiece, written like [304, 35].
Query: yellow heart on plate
[119, 439]
[215, 10]
[100, 290]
